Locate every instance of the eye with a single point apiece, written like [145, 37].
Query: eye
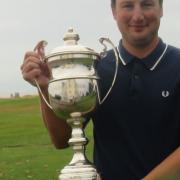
[127, 6]
[147, 4]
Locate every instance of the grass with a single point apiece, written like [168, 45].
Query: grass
[26, 151]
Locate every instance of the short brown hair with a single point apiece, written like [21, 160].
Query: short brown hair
[113, 2]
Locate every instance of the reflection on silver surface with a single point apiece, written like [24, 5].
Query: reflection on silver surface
[72, 69]
[72, 95]
[73, 87]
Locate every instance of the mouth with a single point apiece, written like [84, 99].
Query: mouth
[138, 27]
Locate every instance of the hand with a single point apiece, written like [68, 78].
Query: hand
[34, 68]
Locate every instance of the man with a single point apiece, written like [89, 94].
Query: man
[137, 128]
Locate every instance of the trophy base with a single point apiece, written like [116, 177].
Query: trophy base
[79, 168]
[80, 172]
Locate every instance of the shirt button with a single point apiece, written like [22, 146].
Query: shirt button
[136, 76]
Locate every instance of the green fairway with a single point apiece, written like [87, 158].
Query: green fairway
[26, 151]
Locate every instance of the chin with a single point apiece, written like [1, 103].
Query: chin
[140, 42]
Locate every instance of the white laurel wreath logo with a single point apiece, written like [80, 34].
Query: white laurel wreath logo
[165, 93]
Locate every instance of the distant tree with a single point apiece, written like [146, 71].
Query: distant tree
[16, 95]
[11, 95]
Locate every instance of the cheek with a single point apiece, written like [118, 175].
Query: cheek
[123, 19]
[151, 17]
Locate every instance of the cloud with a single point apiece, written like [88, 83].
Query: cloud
[24, 22]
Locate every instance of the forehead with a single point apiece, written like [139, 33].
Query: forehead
[140, 1]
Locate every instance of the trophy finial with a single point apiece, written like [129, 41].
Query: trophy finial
[71, 37]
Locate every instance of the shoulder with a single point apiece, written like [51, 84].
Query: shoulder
[173, 51]
[172, 57]
[171, 63]
[107, 62]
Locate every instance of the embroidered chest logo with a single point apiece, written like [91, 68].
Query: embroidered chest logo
[165, 94]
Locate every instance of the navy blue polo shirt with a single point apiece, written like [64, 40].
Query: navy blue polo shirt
[138, 125]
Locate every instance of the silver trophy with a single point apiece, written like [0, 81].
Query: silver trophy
[73, 93]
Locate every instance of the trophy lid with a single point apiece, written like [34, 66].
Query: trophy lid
[71, 46]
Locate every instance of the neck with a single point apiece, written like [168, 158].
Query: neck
[140, 51]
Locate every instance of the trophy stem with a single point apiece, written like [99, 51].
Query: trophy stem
[79, 168]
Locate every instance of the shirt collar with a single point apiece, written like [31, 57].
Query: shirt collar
[150, 61]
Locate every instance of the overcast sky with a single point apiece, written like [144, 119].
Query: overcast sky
[24, 22]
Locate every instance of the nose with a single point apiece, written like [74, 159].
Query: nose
[138, 14]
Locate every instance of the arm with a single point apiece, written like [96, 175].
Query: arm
[33, 68]
[58, 129]
[169, 169]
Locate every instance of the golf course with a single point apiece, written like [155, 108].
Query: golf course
[26, 151]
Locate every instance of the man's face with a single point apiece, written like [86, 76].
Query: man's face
[138, 20]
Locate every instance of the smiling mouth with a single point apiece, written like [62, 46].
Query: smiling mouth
[138, 28]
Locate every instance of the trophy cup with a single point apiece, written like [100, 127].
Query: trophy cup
[73, 92]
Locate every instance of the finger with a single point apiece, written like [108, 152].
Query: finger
[31, 53]
[39, 49]
[31, 75]
[30, 66]
[30, 58]
[46, 69]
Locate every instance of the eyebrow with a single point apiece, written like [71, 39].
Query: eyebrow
[146, 1]
[141, 1]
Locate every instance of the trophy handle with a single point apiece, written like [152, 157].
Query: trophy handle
[42, 95]
[101, 40]
[39, 49]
